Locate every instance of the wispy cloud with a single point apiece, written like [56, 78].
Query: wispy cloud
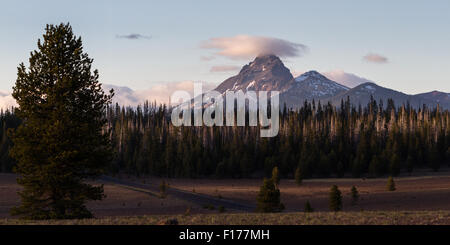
[247, 47]
[224, 68]
[375, 58]
[347, 79]
[134, 36]
[207, 58]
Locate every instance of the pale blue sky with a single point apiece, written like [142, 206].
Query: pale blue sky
[413, 35]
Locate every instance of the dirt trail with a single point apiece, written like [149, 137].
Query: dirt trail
[199, 199]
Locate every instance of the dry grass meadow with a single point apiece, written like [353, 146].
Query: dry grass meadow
[424, 193]
[318, 218]
[417, 200]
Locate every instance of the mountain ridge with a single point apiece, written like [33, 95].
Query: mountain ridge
[313, 85]
[268, 73]
[361, 94]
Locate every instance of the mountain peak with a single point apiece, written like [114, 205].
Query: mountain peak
[368, 87]
[311, 85]
[265, 60]
[367, 84]
[267, 57]
[310, 74]
[264, 73]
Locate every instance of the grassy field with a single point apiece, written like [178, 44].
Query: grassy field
[414, 193]
[319, 218]
[119, 201]
[418, 200]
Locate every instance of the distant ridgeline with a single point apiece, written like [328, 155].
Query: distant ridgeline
[320, 140]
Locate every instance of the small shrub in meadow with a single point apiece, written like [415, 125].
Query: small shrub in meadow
[308, 207]
[354, 195]
[390, 184]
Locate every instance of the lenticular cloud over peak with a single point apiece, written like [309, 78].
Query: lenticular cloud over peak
[247, 47]
[347, 79]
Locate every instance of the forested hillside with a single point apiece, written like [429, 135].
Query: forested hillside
[320, 140]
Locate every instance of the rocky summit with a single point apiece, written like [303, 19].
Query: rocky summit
[265, 73]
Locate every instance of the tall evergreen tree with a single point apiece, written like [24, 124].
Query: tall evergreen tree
[276, 176]
[335, 199]
[62, 140]
[268, 198]
[298, 176]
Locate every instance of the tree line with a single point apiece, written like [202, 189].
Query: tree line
[8, 120]
[314, 141]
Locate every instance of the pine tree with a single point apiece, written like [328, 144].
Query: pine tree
[268, 199]
[163, 189]
[448, 155]
[410, 164]
[375, 167]
[308, 207]
[355, 195]
[298, 176]
[335, 199]
[433, 159]
[394, 165]
[390, 184]
[276, 176]
[62, 142]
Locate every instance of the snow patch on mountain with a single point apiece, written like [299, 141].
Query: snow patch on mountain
[252, 84]
[370, 89]
[319, 84]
